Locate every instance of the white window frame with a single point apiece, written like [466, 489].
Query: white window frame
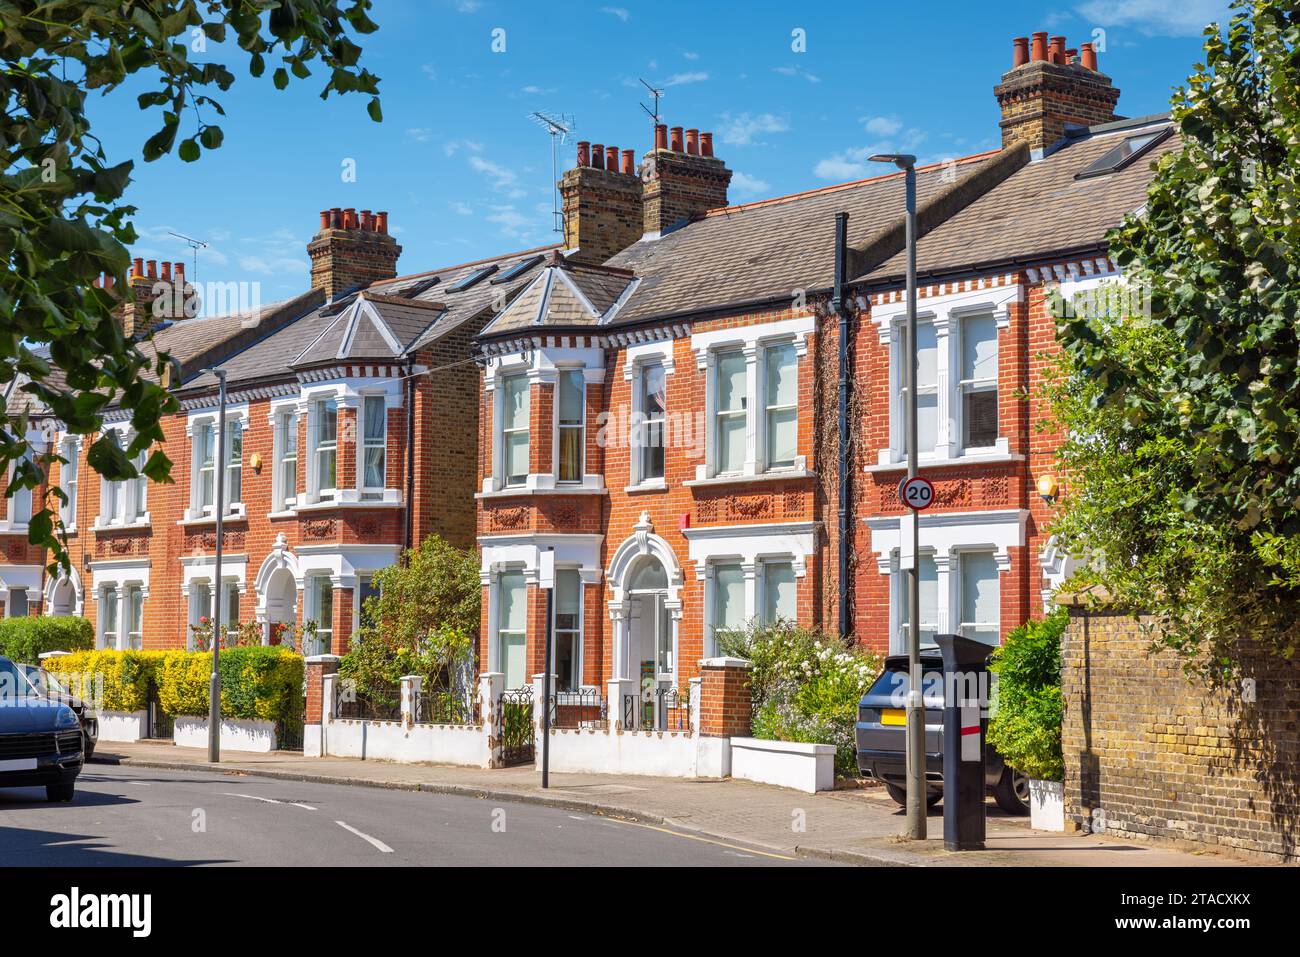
[753, 342]
[580, 427]
[769, 408]
[576, 631]
[640, 423]
[131, 631]
[109, 601]
[317, 585]
[744, 414]
[503, 433]
[198, 607]
[320, 492]
[968, 386]
[499, 631]
[23, 495]
[69, 479]
[195, 426]
[9, 603]
[284, 419]
[127, 500]
[366, 406]
[946, 313]
[761, 583]
[962, 557]
[898, 606]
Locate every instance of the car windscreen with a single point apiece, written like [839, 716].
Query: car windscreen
[890, 689]
[14, 686]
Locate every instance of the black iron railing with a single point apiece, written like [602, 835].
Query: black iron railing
[445, 707]
[585, 708]
[662, 709]
[373, 703]
[515, 724]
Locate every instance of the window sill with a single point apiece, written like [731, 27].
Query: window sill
[240, 516]
[783, 475]
[334, 505]
[517, 491]
[16, 528]
[657, 485]
[122, 526]
[970, 458]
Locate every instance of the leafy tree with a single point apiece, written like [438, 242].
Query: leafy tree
[1184, 424]
[62, 219]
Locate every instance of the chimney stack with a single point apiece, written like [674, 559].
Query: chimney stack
[601, 202]
[352, 251]
[683, 183]
[1050, 88]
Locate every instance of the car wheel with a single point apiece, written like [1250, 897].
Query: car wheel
[1012, 792]
[900, 796]
[60, 792]
[88, 747]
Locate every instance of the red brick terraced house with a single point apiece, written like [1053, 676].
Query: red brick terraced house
[351, 434]
[659, 403]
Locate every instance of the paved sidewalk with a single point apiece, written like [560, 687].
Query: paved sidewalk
[855, 826]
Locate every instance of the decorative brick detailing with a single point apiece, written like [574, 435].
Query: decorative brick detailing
[1041, 97]
[725, 707]
[317, 668]
[349, 252]
[1154, 754]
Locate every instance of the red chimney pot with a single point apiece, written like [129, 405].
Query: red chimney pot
[1020, 51]
[1039, 47]
[151, 268]
[1088, 56]
[661, 136]
[381, 222]
[611, 158]
[178, 270]
[366, 222]
[324, 219]
[598, 155]
[1057, 52]
[706, 144]
[584, 153]
[675, 139]
[629, 162]
[167, 272]
[693, 142]
[137, 267]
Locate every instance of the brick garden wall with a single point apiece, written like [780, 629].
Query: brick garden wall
[1165, 758]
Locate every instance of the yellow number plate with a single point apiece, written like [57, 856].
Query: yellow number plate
[896, 716]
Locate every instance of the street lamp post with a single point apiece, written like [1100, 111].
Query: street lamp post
[915, 700]
[214, 682]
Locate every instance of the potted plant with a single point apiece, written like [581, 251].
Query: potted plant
[1026, 723]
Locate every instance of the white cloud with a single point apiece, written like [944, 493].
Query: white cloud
[461, 208]
[537, 90]
[468, 6]
[429, 70]
[502, 178]
[689, 55]
[421, 134]
[620, 12]
[795, 71]
[855, 163]
[881, 125]
[1186, 18]
[745, 185]
[452, 147]
[512, 222]
[678, 79]
[740, 130]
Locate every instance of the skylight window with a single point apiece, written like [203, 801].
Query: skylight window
[518, 269]
[472, 279]
[1124, 154]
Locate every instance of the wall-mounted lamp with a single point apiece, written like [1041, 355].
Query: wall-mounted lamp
[1048, 489]
[256, 462]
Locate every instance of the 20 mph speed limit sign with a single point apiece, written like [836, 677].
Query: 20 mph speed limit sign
[916, 493]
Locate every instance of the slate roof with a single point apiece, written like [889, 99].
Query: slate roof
[1041, 209]
[566, 293]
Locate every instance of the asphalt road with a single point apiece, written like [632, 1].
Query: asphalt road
[143, 817]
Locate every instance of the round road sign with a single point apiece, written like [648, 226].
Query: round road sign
[916, 493]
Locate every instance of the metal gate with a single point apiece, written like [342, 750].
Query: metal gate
[515, 719]
[158, 724]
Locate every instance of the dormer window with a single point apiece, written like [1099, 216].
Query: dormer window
[1125, 153]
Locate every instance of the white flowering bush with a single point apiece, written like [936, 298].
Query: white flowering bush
[805, 685]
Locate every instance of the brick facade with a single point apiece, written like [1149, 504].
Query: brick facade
[1151, 753]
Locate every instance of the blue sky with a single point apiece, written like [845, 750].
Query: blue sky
[464, 172]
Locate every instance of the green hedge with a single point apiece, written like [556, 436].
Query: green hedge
[256, 682]
[1026, 725]
[24, 639]
[122, 677]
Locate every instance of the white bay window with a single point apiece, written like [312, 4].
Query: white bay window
[374, 447]
[514, 430]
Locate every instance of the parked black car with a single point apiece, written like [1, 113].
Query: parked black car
[41, 742]
[882, 735]
[48, 686]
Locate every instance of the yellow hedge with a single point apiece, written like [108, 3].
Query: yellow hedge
[122, 677]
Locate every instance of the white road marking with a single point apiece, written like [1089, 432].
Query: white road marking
[365, 837]
[254, 797]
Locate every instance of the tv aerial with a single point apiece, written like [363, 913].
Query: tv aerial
[559, 126]
[196, 245]
[657, 94]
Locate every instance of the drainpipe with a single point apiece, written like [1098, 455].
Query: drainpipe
[410, 457]
[837, 303]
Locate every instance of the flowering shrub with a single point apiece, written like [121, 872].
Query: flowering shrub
[246, 634]
[805, 685]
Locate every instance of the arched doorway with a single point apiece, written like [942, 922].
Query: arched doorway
[281, 608]
[646, 610]
[63, 595]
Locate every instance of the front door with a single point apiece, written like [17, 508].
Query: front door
[650, 645]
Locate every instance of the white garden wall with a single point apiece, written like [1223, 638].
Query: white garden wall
[125, 726]
[790, 764]
[659, 753]
[393, 741]
[237, 734]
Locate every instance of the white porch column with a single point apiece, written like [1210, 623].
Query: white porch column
[410, 692]
[618, 616]
[491, 684]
